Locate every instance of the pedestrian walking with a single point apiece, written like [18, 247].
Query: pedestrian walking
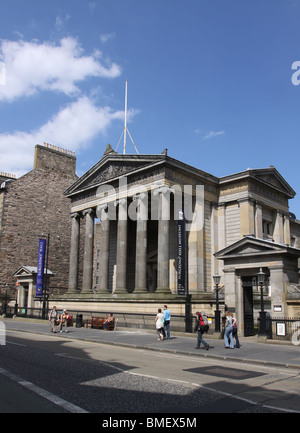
[64, 320]
[235, 332]
[200, 328]
[167, 320]
[228, 338]
[159, 324]
[53, 316]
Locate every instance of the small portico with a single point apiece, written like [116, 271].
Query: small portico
[242, 262]
[26, 286]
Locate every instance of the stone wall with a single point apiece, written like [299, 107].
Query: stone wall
[35, 205]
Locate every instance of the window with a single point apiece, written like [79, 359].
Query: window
[267, 228]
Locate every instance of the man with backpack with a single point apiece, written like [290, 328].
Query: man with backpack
[201, 325]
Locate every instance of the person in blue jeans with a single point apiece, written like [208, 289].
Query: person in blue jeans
[228, 337]
[167, 319]
[200, 328]
[235, 332]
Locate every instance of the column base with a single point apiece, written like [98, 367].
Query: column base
[71, 293]
[120, 291]
[140, 291]
[102, 292]
[163, 291]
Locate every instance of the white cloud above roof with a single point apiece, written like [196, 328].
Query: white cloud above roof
[33, 66]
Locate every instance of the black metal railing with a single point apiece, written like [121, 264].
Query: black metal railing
[283, 328]
[277, 328]
[125, 319]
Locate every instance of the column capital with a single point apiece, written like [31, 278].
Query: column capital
[140, 196]
[103, 206]
[121, 201]
[75, 215]
[89, 211]
[163, 190]
[100, 211]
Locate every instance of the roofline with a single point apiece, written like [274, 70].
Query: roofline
[252, 239]
[251, 172]
[163, 159]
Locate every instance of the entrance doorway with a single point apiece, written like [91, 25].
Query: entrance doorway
[248, 306]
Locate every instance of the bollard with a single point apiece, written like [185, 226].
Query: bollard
[79, 321]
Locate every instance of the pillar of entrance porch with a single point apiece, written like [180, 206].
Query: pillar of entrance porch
[74, 253]
[141, 244]
[121, 247]
[163, 240]
[87, 281]
[104, 250]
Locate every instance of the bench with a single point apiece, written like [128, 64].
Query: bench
[95, 322]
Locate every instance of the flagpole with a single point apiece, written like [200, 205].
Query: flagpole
[125, 121]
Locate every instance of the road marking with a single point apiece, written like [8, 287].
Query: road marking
[86, 341]
[16, 344]
[237, 397]
[70, 407]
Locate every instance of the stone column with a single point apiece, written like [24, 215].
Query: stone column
[247, 223]
[88, 251]
[141, 244]
[279, 281]
[286, 229]
[278, 227]
[121, 247]
[221, 225]
[258, 221]
[30, 295]
[74, 254]
[104, 250]
[163, 240]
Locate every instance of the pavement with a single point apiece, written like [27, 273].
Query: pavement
[250, 352]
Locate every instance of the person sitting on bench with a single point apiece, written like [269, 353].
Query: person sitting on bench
[108, 321]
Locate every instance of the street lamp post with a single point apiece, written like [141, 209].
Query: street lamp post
[261, 279]
[217, 279]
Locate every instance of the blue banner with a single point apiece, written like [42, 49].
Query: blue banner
[181, 282]
[40, 268]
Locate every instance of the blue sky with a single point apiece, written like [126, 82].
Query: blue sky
[211, 80]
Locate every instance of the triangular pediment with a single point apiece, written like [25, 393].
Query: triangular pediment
[24, 271]
[111, 171]
[251, 246]
[111, 167]
[262, 177]
[271, 177]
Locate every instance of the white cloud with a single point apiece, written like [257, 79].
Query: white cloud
[106, 37]
[72, 128]
[212, 134]
[34, 66]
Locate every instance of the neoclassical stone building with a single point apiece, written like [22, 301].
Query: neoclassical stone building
[234, 226]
